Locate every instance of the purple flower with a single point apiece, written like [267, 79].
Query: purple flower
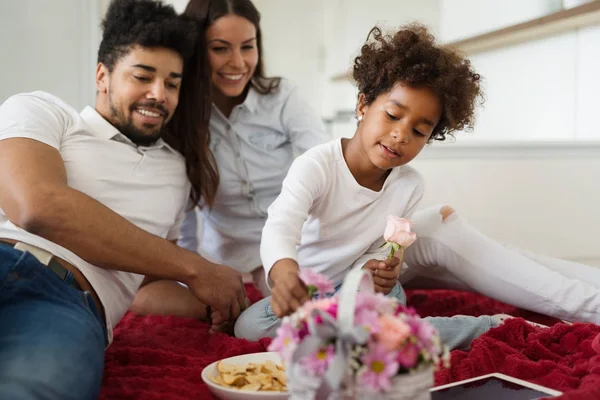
[315, 282]
[379, 366]
[317, 363]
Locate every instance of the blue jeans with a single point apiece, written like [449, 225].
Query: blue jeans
[52, 336]
[260, 321]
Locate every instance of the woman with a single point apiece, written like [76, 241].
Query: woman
[257, 126]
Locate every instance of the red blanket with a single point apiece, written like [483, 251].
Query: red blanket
[162, 357]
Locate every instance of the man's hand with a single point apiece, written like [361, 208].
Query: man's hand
[385, 273]
[222, 289]
[289, 292]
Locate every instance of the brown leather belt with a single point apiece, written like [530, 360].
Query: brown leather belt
[60, 267]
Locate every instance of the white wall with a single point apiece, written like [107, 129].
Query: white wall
[544, 201]
[51, 46]
[588, 84]
[293, 44]
[543, 90]
[531, 90]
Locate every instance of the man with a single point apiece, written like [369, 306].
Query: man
[91, 203]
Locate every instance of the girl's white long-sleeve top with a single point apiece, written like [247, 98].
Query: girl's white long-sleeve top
[325, 220]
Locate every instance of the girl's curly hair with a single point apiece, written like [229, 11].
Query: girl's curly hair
[411, 56]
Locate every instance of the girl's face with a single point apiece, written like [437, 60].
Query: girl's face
[396, 125]
[232, 54]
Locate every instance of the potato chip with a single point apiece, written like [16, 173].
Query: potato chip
[266, 376]
[251, 387]
[281, 377]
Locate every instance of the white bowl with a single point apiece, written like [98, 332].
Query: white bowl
[225, 393]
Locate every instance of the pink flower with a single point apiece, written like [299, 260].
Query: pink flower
[408, 356]
[333, 310]
[425, 334]
[374, 301]
[320, 304]
[367, 318]
[392, 332]
[285, 342]
[315, 282]
[379, 366]
[426, 331]
[398, 230]
[316, 364]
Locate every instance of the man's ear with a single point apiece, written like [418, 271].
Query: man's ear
[102, 75]
[361, 106]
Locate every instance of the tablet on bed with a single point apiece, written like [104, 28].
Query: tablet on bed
[492, 387]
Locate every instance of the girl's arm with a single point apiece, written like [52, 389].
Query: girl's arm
[305, 182]
[281, 235]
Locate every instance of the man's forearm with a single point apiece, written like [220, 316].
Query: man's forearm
[102, 237]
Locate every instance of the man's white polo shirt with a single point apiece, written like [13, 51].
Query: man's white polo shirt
[146, 185]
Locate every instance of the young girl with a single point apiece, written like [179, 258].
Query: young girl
[332, 209]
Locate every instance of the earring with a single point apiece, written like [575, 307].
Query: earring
[360, 118]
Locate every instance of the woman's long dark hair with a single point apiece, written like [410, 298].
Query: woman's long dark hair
[188, 130]
[208, 11]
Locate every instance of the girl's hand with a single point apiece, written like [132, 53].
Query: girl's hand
[385, 273]
[288, 293]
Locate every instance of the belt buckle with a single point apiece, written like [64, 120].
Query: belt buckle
[49, 261]
[43, 256]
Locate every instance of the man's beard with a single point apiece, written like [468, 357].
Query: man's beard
[127, 128]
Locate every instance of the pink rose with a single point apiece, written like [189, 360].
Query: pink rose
[398, 230]
[392, 332]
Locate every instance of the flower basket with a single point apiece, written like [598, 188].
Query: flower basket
[411, 386]
[358, 344]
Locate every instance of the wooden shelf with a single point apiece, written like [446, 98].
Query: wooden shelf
[551, 24]
[548, 25]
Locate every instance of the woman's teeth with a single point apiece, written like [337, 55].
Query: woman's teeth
[233, 77]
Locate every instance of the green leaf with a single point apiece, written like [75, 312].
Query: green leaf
[385, 245]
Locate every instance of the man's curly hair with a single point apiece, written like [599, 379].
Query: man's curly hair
[412, 57]
[147, 23]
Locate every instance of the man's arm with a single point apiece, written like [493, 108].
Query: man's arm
[35, 197]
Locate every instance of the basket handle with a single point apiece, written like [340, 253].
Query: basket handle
[357, 280]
